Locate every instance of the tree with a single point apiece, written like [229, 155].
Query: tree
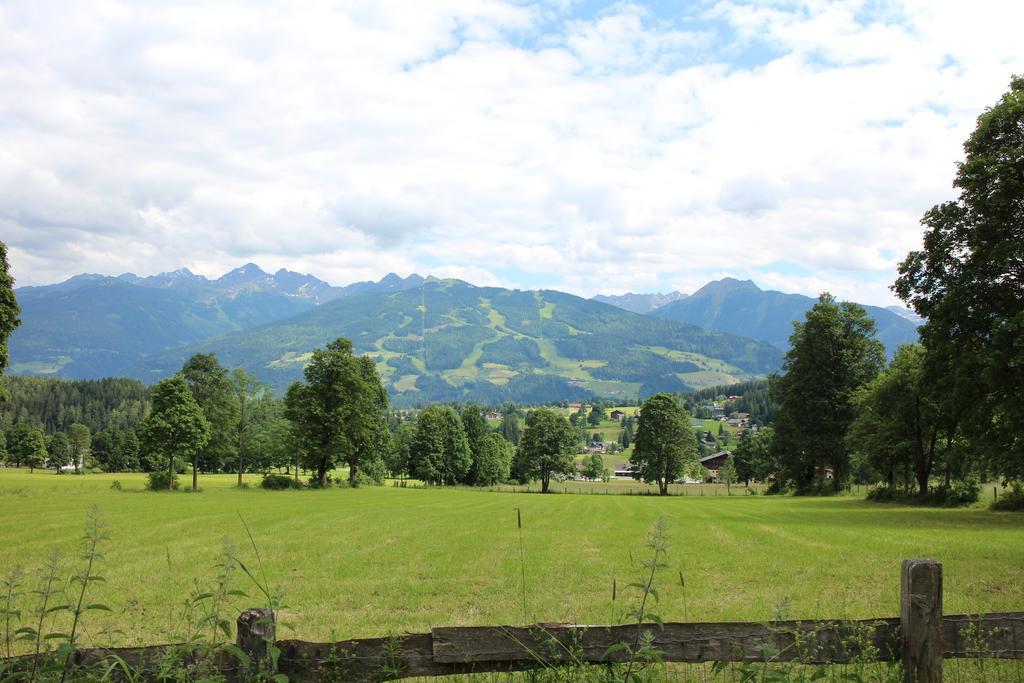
[213, 390]
[664, 442]
[495, 460]
[753, 456]
[475, 426]
[17, 446]
[595, 416]
[8, 315]
[339, 411]
[116, 450]
[245, 390]
[727, 473]
[832, 354]
[899, 424]
[594, 468]
[59, 449]
[440, 451]
[176, 427]
[547, 445]
[80, 439]
[510, 427]
[398, 457]
[35, 449]
[968, 282]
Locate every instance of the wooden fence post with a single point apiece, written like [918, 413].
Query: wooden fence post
[921, 621]
[256, 630]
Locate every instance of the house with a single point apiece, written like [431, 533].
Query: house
[714, 462]
[596, 448]
[493, 415]
[624, 471]
[617, 415]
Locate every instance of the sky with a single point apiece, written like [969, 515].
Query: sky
[575, 145]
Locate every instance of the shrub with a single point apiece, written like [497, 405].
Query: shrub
[1012, 500]
[959, 494]
[116, 485]
[279, 482]
[157, 481]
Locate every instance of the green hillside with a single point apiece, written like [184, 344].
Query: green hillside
[449, 340]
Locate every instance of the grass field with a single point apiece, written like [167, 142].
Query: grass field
[372, 561]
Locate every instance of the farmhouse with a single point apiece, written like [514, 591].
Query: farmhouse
[617, 415]
[493, 415]
[712, 463]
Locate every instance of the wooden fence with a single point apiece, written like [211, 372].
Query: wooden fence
[921, 637]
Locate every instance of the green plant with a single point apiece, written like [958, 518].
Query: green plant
[95, 534]
[157, 481]
[279, 482]
[642, 651]
[1011, 500]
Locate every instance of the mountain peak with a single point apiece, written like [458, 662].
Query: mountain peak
[726, 285]
[246, 272]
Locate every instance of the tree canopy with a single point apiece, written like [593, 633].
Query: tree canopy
[546, 446]
[338, 412]
[440, 452]
[176, 428]
[833, 353]
[8, 314]
[664, 442]
[968, 282]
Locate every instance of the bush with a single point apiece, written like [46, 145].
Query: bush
[1011, 501]
[279, 482]
[959, 494]
[157, 481]
[116, 485]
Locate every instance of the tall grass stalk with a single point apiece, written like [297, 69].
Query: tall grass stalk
[12, 593]
[95, 533]
[46, 591]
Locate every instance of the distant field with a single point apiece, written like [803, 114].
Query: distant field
[380, 560]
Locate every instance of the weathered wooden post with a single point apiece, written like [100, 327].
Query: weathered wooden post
[921, 620]
[256, 630]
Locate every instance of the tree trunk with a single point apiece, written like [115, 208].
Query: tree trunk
[353, 472]
[170, 473]
[663, 487]
[544, 481]
[195, 473]
[321, 474]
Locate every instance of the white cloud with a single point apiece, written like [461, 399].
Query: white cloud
[474, 137]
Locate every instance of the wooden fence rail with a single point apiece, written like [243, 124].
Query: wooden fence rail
[921, 637]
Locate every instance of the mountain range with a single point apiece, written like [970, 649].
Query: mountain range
[639, 303]
[433, 340]
[741, 307]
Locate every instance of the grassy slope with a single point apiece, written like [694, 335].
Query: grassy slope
[379, 560]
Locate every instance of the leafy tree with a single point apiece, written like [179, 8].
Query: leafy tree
[59, 449]
[547, 445]
[80, 439]
[833, 353]
[34, 449]
[510, 428]
[753, 456]
[594, 468]
[398, 457]
[116, 450]
[339, 411]
[476, 429]
[595, 416]
[9, 311]
[245, 391]
[176, 428]
[727, 473]
[214, 392]
[968, 283]
[495, 460]
[899, 424]
[664, 442]
[440, 451]
[17, 438]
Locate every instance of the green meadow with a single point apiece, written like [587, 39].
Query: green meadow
[374, 561]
